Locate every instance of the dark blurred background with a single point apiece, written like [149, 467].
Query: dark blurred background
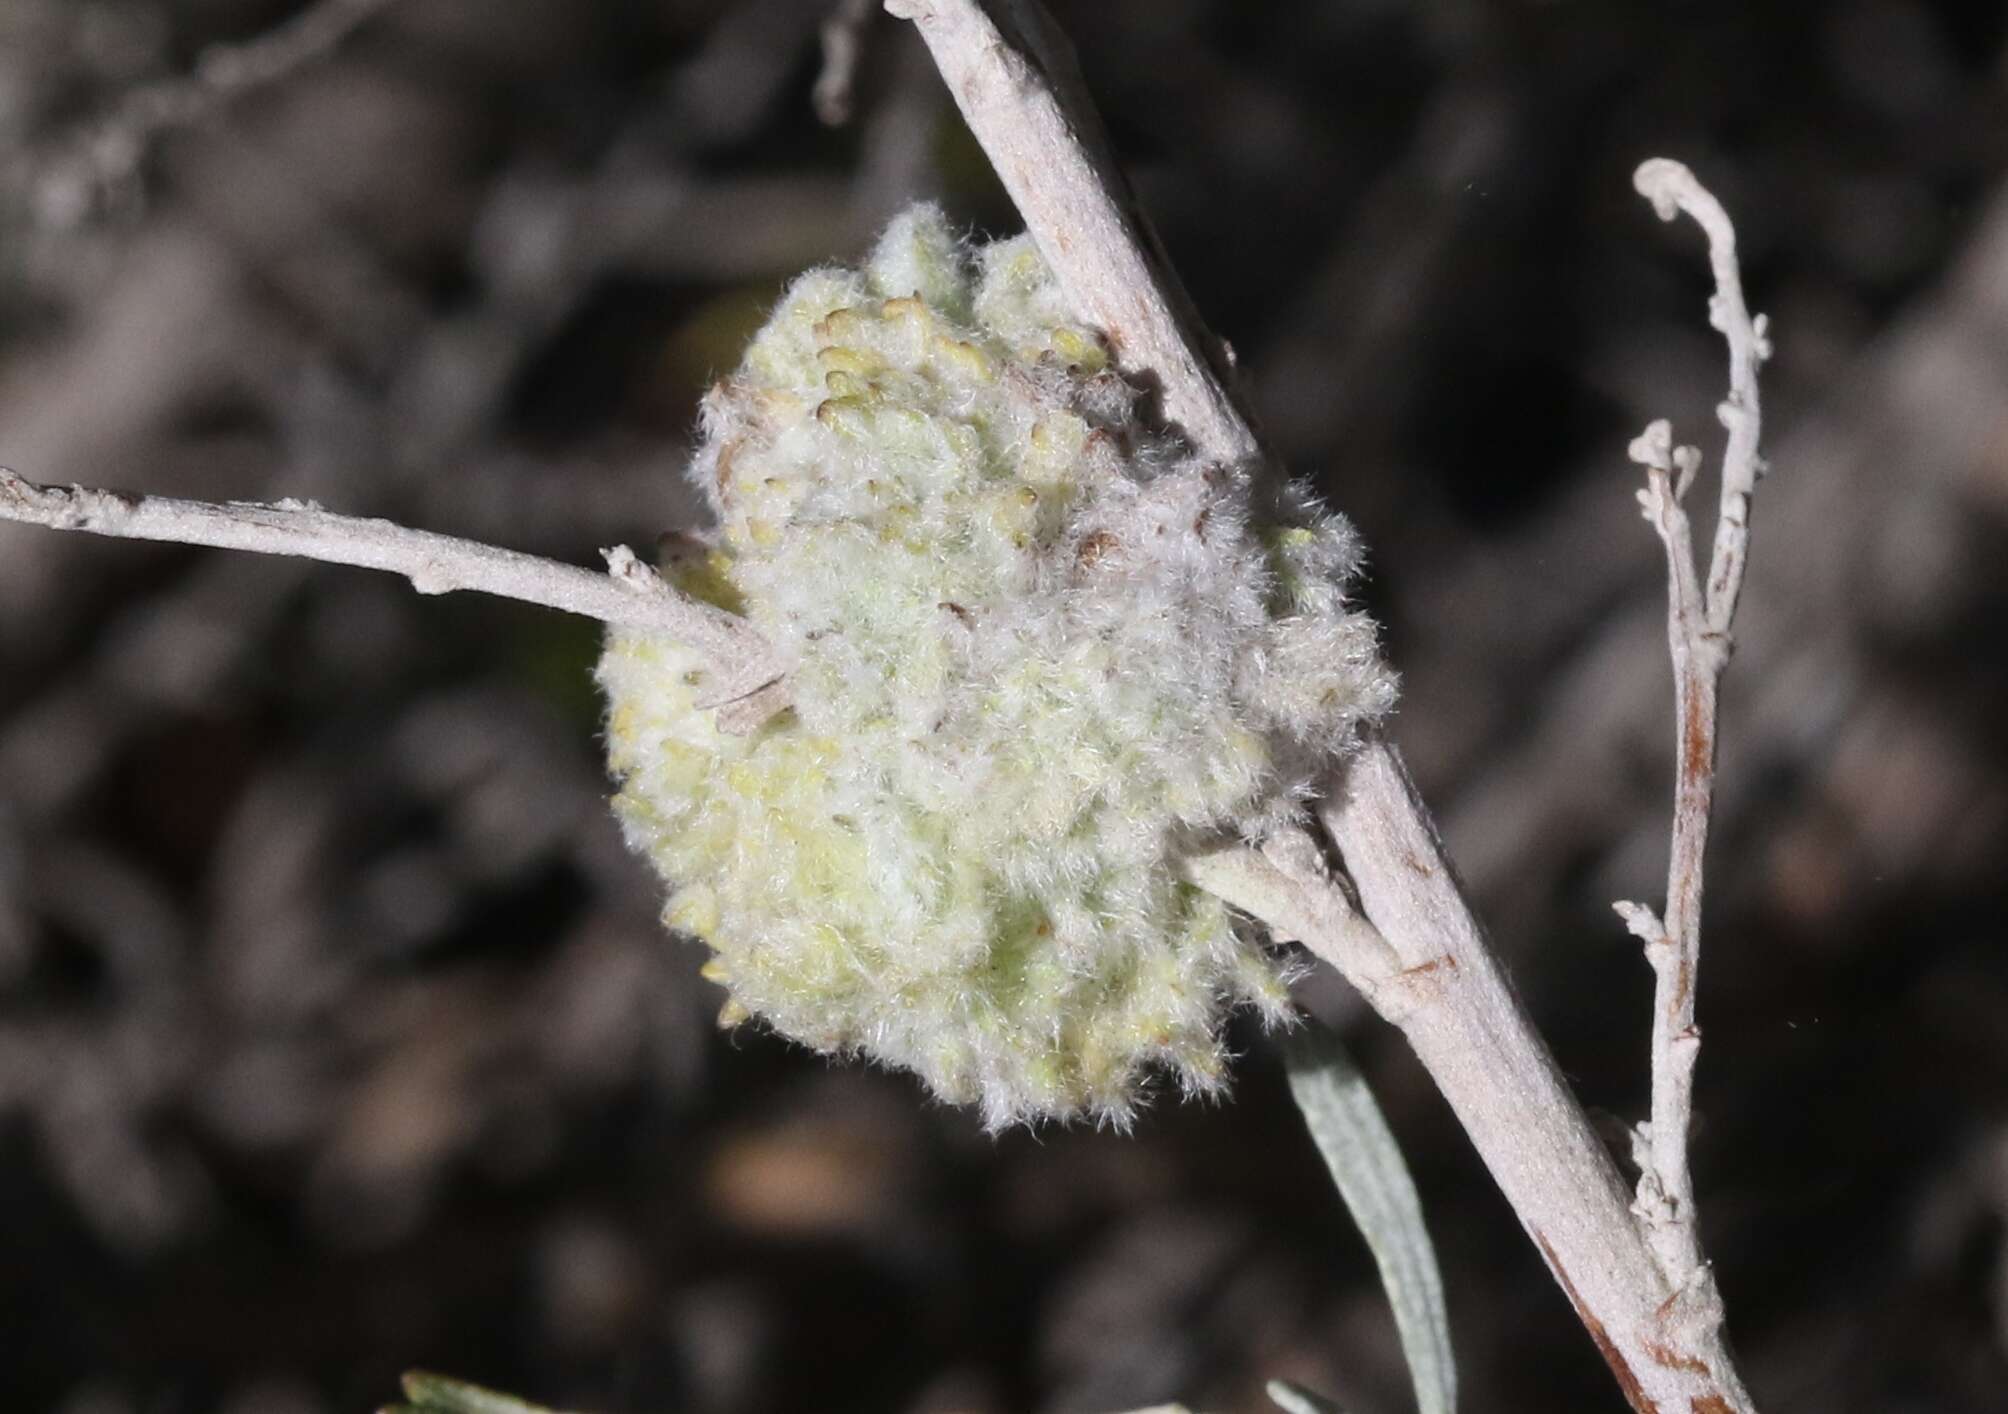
[337, 1032]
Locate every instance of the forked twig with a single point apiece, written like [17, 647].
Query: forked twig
[1697, 631]
[112, 150]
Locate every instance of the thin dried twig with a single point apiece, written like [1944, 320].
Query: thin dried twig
[743, 667]
[1014, 78]
[1697, 632]
[843, 36]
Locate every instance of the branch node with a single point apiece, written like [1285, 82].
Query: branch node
[1641, 922]
[1760, 333]
[630, 571]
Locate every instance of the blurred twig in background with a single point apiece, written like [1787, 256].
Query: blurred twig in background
[108, 157]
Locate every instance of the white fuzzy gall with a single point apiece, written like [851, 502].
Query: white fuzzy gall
[1038, 651]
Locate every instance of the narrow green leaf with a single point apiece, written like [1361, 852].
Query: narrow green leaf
[1293, 1398]
[1366, 1165]
[435, 1394]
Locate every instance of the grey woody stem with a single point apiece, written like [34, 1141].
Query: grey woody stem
[743, 668]
[1015, 80]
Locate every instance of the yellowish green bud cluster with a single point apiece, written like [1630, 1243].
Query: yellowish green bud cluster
[1038, 651]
